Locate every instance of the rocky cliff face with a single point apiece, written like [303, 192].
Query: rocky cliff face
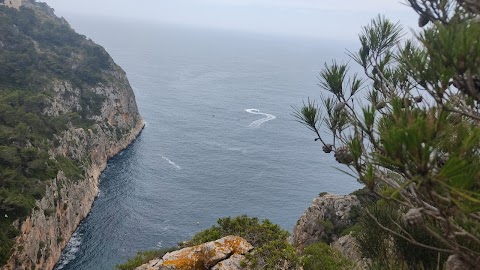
[324, 219]
[67, 201]
[109, 122]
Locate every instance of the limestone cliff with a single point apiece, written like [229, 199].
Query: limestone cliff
[67, 202]
[83, 84]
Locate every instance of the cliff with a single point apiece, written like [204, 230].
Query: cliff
[325, 219]
[88, 110]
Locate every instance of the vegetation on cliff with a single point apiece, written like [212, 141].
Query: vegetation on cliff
[272, 250]
[409, 131]
[36, 49]
[26, 137]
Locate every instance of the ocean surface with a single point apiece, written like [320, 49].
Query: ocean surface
[220, 139]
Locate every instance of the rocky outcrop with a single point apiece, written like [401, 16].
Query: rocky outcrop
[324, 219]
[223, 254]
[232, 263]
[348, 246]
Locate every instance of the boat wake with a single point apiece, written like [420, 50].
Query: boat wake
[172, 163]
[257, 123]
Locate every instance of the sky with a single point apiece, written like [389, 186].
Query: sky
[337, 19]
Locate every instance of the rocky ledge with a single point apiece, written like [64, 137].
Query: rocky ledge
[324, 219]
[223, 254]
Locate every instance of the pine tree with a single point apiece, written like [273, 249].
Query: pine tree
[409, 127]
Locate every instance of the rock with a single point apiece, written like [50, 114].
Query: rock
[324, 219]
[454, 262]
[348, 246]
[225, 253]
[232, 263]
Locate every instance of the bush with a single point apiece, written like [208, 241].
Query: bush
[389, 251]
[322, 256]
[8, 233]
[272, 250]
[23, 66]
[143, 257]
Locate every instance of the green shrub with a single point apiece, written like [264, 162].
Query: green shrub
[322, 256]
[272, 249]
[49, 212]
[8, 233]
[24, 66]
[387, 250]
[143, 257]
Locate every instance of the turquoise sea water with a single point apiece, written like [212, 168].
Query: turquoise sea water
[220, 138]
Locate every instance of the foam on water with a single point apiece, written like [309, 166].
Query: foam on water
[257, 123]
[70, 251]
[172, 163]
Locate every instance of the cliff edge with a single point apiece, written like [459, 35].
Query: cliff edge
[69, 108]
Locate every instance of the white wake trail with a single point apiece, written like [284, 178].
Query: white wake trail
[257, 123]
[172, 163]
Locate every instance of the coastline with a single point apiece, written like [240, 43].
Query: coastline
[35, 247]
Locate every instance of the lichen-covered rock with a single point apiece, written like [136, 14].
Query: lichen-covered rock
[232, 263]
[221, 254]
[327, 215]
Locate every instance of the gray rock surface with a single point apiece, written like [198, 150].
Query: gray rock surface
[324, 219]
[232, 263]
[348, 246]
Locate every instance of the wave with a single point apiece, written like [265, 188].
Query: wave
[257, 123]
[172, 163]
[70, 251]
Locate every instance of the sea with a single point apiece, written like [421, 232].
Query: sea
[220, 137]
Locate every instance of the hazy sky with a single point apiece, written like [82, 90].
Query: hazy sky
[315, 18]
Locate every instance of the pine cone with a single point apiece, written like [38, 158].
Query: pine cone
[423, 20]
[413, 217]
[327, 148]
[381, 105]
[339, 106]
[343, 156]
